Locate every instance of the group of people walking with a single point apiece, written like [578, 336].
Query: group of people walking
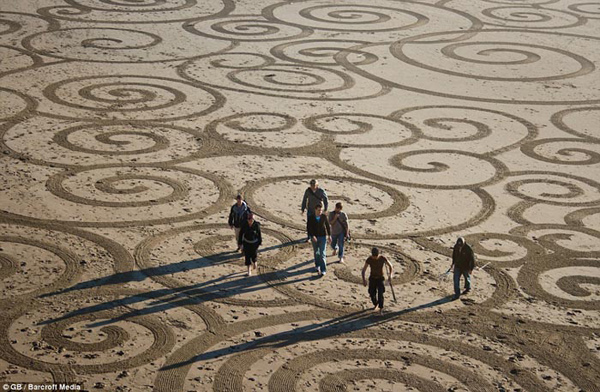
[333, 228]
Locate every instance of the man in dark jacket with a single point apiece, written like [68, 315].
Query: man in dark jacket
[238, 215]
[249, 240]
[319, 232]
[463, 261]
[313, 195]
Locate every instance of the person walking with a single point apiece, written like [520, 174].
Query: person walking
[249, 240]
[238, 215]
[339, 230]
[313, 195]
[463, 263]
[319, 232]
[376, 278]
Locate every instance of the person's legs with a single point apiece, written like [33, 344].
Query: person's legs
[247, 256]
[253, 254]
[334, 245]
[340, 245]
[373, 291]
[322, 244]
[467, 276]
[308, 215]
[457, 274]
[315, 252]
[380, 291]
[237, 235]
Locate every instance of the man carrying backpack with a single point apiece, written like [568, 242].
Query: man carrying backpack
[313, 195]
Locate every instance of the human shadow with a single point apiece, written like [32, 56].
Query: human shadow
[327, 329]
[182, 266]
[209, 290]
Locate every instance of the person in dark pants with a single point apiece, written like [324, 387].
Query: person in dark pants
[463, 263]
[313, 195]
[376, 277]
[238, 215]
[249, 241]
[339, 230]
[319, 232]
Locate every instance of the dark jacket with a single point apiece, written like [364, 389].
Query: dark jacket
[318, 228]
[250, 234]
[464, 259]
[311, 199]
[237, 215]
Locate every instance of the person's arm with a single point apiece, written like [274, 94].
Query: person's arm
[327, 227]
[454, 258]
[364, 270]
[390, 268]
[345, 225]
[259, 235]
[333, 218]
[304, 198]
[325, 200]
[471, 260]
[310, 225]
[230, 220]
[242, 232]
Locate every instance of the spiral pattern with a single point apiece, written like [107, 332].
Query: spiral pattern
[125, 196]
[259, 74]
[54, 341]
[524, 16]
[555, 188]
[579, 121]
[246, 29]
[321, 52]
[564, 151]
[378, 16]
[571, 283]
[363, 130]
[487, 66]
[260, 128]
[465, 125]
[134, 12]
[427, 168]
[110, 143]
[128, 127]
[130, 98]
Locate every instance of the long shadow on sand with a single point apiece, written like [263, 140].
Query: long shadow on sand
[330, 328]
[218, 288]
[183, 266]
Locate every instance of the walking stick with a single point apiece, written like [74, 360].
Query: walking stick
[480, 268]
[392, 287]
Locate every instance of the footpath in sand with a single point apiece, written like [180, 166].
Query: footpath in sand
[128, 127]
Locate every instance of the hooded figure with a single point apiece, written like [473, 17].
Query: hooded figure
[463, 262]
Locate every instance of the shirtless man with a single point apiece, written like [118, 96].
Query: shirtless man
[376, 278]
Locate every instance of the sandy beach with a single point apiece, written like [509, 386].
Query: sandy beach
[128, 127]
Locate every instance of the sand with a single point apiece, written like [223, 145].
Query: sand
[128, 127]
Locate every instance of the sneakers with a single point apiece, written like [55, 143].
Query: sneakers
[319, 271]
[342, 260]
[466, 291]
